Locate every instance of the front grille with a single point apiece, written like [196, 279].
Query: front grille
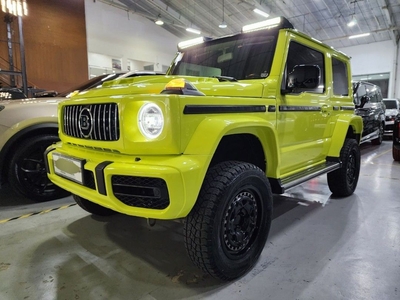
[142, 192]
[98, 122]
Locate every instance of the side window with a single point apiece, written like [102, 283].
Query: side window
[340, 80]
[308, 60]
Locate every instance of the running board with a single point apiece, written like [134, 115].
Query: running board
[279, 186]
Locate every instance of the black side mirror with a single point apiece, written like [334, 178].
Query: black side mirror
[303, 78]
[364, 100]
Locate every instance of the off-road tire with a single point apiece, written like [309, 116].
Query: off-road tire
[27, 174]
[379, 139]
[226, 230]
[343, 182]
[92, 207]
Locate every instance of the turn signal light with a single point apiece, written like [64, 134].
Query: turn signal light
[181, 86]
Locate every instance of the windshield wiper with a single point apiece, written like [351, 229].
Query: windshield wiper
[224, 78]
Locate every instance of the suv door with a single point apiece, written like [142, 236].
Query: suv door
[303, 111]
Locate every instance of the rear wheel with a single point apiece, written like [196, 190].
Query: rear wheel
[27, 174]
[227, 229]
[343, 181]
[92, 207]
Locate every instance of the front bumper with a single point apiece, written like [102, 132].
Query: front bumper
[158, 187]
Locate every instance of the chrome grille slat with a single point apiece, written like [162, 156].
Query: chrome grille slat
[94, 117]
[116, 121]
[103, 119]
[109, 122]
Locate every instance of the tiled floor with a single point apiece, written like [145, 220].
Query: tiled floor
[319, 248]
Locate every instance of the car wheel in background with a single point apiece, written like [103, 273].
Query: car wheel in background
[27, 174]
[379, 139]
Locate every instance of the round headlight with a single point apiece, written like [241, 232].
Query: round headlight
[151, 120]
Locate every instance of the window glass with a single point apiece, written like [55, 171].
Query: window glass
[340, 80]
[301, 55]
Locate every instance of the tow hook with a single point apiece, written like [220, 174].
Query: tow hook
[151, 222]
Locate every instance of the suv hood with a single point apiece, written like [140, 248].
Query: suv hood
[155, 84]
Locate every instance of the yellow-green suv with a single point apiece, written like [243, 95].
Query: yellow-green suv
[234, 120]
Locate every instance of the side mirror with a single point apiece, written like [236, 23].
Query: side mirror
[303, 78]
[364, 100]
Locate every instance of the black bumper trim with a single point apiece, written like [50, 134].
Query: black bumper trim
[99, 170]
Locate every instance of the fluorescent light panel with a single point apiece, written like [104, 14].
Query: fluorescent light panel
[261, 25]
[261, 13]
[191, 42]
[359, 35]
[193, 30]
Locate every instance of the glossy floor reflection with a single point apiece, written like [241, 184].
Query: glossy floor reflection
[319, 248]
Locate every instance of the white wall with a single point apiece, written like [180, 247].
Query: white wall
[115, 33]
[376, 58]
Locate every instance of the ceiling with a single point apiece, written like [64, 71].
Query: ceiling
[325, 20]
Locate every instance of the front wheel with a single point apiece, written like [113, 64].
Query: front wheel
[27, 174]
[343, 181]
[227, 229]
[92, 207]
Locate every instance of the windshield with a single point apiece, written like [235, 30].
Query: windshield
[244, 56]
[390, 104]
[91, 83]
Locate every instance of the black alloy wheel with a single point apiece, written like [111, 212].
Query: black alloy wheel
[27, 174]
[227, 228]
[343, 182]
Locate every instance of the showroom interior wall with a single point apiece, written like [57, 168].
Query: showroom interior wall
[377, 58]
[115, 35]
[55, 44]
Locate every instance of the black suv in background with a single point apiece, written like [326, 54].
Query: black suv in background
[369, 105]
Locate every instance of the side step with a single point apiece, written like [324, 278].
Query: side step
[280, 186]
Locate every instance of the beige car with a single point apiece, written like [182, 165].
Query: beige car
[27, 128]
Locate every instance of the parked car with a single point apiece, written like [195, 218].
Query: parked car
[369, 105]
[396, 138]
[392, 110]
[8, 93]
[27, 128]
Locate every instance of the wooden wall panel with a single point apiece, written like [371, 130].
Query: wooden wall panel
[55, 43]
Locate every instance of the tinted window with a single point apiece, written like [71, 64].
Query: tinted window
[340, 80]
[390, 104]
[370, 90]
[302, 55]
